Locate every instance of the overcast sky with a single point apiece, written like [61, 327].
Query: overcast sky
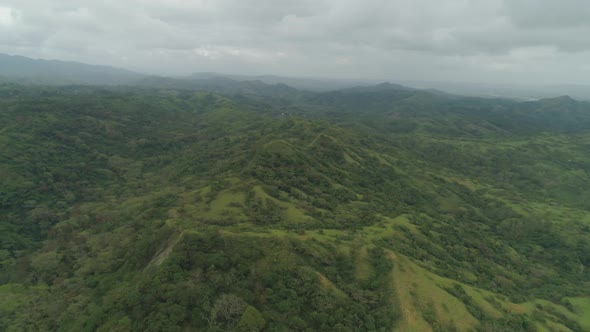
[495, 41]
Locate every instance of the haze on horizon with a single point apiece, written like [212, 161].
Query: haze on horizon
[495, 41]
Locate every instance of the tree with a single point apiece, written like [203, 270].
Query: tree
[226, 308]
[251, 321]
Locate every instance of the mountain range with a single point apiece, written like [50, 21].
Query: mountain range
[53, 72]
[141, 203]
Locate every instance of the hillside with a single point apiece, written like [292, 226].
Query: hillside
[365, 209]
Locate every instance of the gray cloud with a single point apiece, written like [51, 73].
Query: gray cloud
[545, 14]
[520, 41]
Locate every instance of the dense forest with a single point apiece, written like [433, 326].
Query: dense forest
[241, 206]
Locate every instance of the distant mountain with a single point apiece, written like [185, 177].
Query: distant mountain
[485, 90]
[310, 84]
[381, 87]
[221, 85]
[390, 108]
[54, 72]
[512, 91]
[26, 70]
[363, 97]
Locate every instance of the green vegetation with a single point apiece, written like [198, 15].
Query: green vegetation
[369, 209]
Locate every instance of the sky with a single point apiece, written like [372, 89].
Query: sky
[489, 41]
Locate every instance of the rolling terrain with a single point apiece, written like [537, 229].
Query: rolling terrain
[263, 208]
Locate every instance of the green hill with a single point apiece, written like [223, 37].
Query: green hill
[370, 209]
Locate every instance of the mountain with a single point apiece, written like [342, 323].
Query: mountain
[380, 208]
[513, 91]
[25, 70]
[222, 85]
[301, 83]
[521, 92]
[62, 72]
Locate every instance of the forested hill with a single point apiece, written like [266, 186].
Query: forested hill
[366, 209]
[393, 108]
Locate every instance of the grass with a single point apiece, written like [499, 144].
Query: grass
[417, 288]
[223, 201]
[349, 159]
[280, 147]
[377, 232]
[363, 269]
[582, 310]
[292, 213]
[479, 297]
[329, 285]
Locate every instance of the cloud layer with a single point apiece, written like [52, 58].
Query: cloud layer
[513, 41]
